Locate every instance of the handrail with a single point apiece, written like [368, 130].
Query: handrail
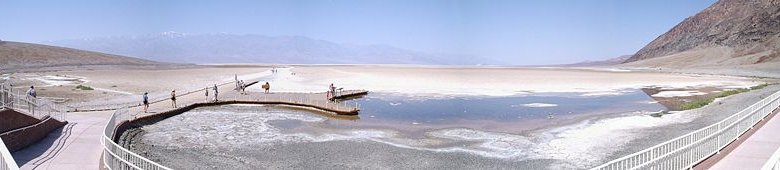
[113, 105]
[7, 162]
[116, 156]
[774, 162]
[38, 108]
[687, 150]
[35, 107]
[44, 120]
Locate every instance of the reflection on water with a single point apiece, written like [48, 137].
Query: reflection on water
[559, 127]
[508, 109]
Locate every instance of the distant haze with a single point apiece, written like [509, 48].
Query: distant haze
[507, 32]
[228, 48]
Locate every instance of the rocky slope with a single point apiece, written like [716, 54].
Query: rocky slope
[16, 55]
[728, 33]
[607, 62]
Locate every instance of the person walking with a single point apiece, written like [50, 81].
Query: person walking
[216, 92]
[146, 101]
[31, 96]
[243, 87]
[238, 88]
[207, 93]
[31, 92]
[333, 89]
[8, 94]
[173, 98]
[330, 92]
[267, 87]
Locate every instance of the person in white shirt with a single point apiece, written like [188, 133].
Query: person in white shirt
[31, 96]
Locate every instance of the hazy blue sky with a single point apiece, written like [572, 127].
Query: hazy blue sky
[516, 32]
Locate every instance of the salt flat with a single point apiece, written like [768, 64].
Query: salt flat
[551, 140]
[505, 81]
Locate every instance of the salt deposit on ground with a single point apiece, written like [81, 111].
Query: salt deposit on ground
[536, 105]
[57, 80]
[678, 93]
[501, 81]
[112, 91]
[578, 145]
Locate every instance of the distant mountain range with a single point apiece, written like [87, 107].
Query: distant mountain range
[728, 33]
[16, 55]
[607, 62]
[230, 48]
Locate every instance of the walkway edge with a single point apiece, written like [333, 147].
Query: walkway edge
[712, 160]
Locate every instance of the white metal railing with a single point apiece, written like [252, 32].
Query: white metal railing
[35, 107]
[341, 93]
[7, 162]
[306, 100]
[774, 162]
[116, 156]
[687, 150]
[117, 104]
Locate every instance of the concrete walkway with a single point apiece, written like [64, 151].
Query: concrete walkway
[74, 146]
[77, 145]
[226, 93]
[754, 151]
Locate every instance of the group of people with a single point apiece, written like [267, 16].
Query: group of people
[145, 97]
[240, 87]
[216, 93]
[331, 92]
[239, 84]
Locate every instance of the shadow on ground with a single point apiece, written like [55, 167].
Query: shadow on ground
[45, 149]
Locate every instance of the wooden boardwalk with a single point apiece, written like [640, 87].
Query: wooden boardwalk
[78, 148]
[318, 101]
[342, 94]
[228, 95]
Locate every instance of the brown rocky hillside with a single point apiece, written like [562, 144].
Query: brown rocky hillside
[730, 32]
[16, 55]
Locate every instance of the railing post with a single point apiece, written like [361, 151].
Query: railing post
[2, 94]
[6, 155]
[33, 105]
